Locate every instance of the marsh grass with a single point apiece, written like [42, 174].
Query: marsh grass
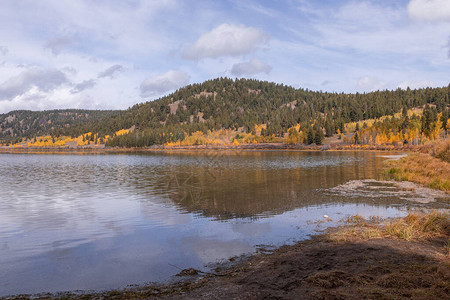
[415, 226]
[421, 168]
[356, 219]
[445, 154]
[439, 149]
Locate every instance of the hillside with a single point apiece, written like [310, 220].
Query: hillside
[19, 124]
[251, 111]
[239, 105]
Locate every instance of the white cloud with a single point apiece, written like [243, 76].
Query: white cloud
[56, 45]
[226, 40]
[86, 84]
[429, 10]
[111, 71]
[159, 84]
[369, 84]
[70, 70]
[43, 80]
[250, 67]
[374, 35]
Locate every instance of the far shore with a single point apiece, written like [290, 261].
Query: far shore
[247, 147]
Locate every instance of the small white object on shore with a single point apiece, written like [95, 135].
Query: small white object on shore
[325, 216]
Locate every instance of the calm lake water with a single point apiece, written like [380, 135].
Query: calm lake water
[82, 222]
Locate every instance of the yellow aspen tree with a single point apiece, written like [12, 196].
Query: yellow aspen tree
[437, 127]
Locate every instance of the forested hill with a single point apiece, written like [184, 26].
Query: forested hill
[248, 106]
[19, 124]
[243, 103]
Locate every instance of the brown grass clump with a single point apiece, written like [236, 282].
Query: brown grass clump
[420, 226]
[415, 226]
[356, 219]
[421, 168]
[439, 148]
[357, 226]
[444, 152]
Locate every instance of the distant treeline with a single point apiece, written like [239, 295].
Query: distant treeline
[20, 124]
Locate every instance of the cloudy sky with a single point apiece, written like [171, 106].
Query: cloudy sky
[113, 54]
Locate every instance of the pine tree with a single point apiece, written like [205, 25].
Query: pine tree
[318, 135]
[356, 138]
[310, 136]
[328, 127]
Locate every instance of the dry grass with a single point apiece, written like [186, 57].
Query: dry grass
[444, 152]
[415, 226]
[357, 226]
[421, 168]
[356, 219]
[438, 148]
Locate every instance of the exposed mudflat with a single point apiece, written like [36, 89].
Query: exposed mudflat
[404, 190]
[324, 269]
[394, 156]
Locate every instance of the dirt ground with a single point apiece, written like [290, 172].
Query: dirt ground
[356, 261]
[324, 269]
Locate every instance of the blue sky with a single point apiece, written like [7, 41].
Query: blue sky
[114, 54]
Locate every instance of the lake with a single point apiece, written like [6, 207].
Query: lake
[96, 222]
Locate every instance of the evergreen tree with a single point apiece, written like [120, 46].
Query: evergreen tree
[356, 138]
[318, 135]
[328, 127]
[310, 137]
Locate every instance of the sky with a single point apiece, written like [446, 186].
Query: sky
[107, 54]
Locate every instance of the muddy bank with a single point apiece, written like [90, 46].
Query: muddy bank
[324, 269]
[402, 259]
[360, 261]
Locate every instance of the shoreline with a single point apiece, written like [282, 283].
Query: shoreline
[362, 258]
[430, 168]
[199, 148]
